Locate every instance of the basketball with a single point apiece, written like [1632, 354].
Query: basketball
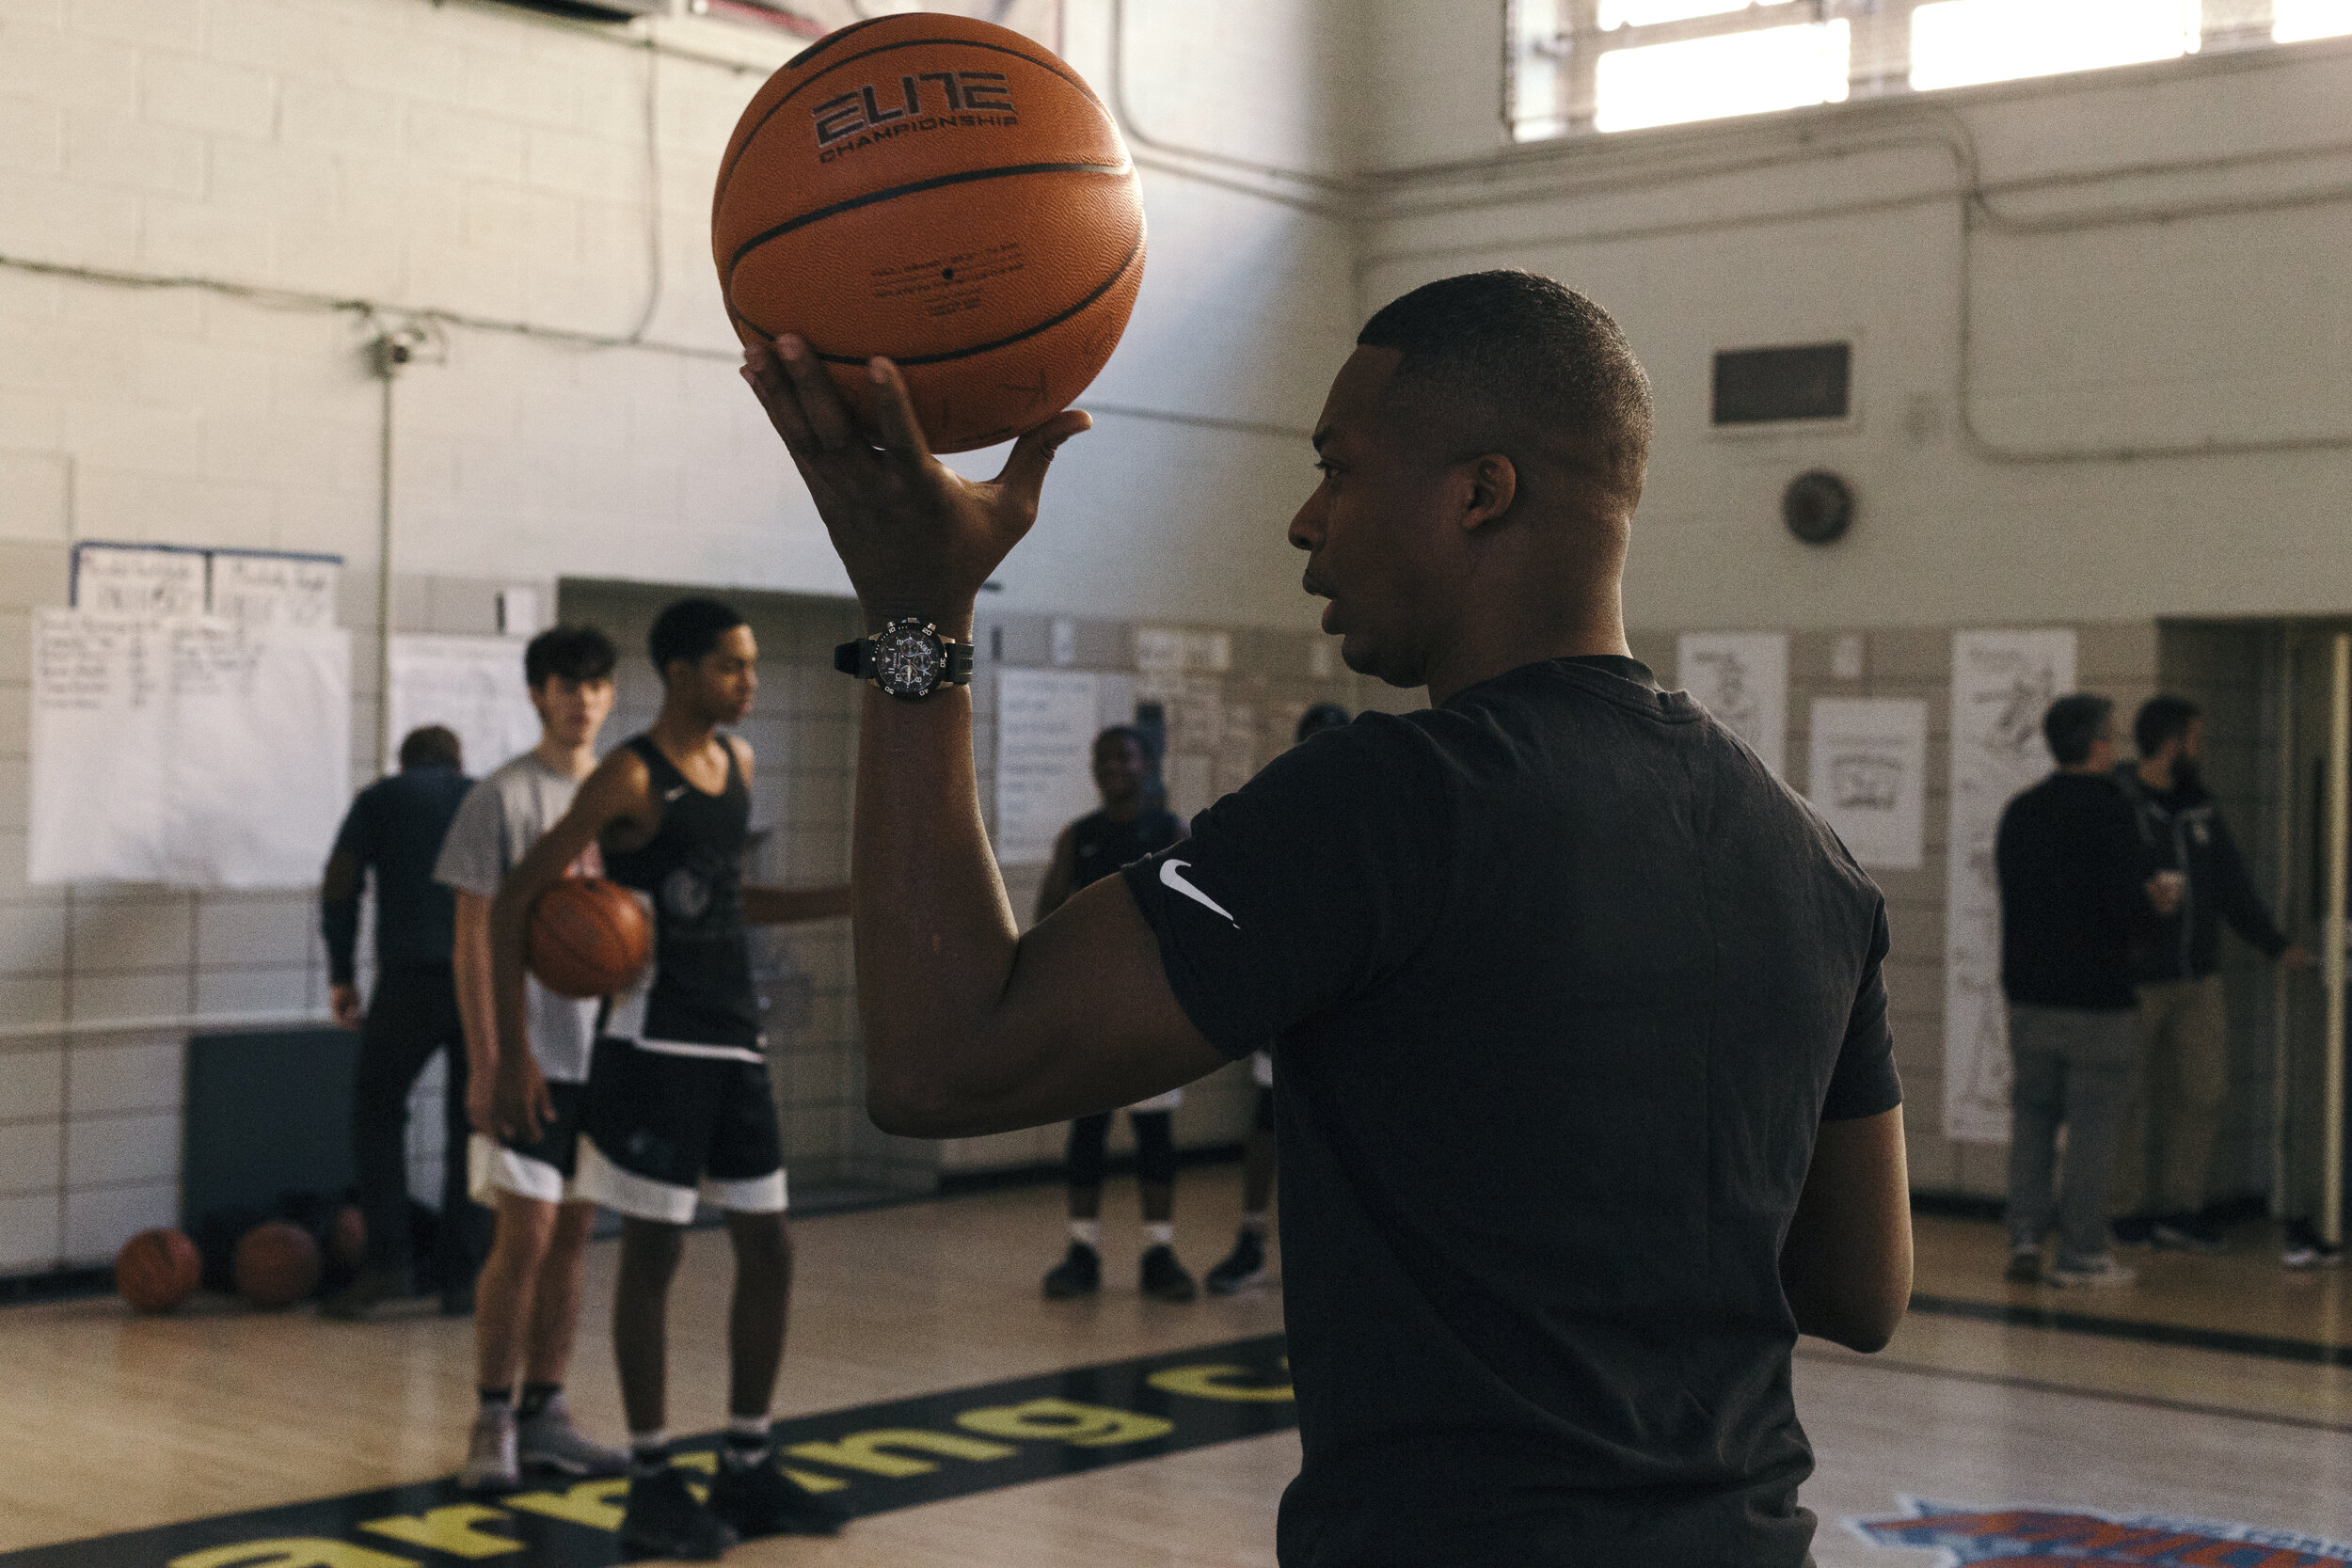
[347, 1237]
[276, 1264]
[157, 1270]
[945, 192]
[589, 937]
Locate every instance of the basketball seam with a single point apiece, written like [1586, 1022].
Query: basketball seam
[726, 174]
[1099, 290]
[913, 188]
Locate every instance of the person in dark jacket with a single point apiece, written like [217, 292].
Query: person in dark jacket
[394, 829]
[2162, 1176]
[2077, 887]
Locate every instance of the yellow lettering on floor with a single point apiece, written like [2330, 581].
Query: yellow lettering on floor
[869, 1451]
[594, 1503]
[292, 1552]
[1090, 1426]
[1208, 1382]
[447, 1529]
[709, 1465]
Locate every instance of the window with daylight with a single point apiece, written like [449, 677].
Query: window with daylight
[1619, 65]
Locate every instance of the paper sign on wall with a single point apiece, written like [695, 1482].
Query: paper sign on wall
[1046, 721]
[1868, 776]
[132, 579]
[275, 590]
[2003, 682]
[189, 751]
[470, 684]
[1742, 680]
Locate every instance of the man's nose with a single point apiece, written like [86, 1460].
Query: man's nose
[1306, 529]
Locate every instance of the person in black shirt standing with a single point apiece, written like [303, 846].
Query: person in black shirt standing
[2077, 887]
[394, 829]
[1130, 826]
[1588, 1101]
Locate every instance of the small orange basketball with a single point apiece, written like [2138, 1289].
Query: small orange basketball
[275, 1264]
[945, 192]
[589, 937]
[157, 1270]
[347, 1238]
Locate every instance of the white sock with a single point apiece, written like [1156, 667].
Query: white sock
[1088, 1231]
[1160, 1234]
[648, 1451]
[1253, 1221]
[746, 1440]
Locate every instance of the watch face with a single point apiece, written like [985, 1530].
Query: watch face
[907, 660]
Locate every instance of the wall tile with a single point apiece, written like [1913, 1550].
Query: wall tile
[29, 1155]
[115, 1150]
[99, 1221]
[137, 1075]
[32, 1080]
[29, 1231]
[134, 934]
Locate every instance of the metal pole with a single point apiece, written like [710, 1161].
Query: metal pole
[2280, 996]
[2339, 846]
[388, 356]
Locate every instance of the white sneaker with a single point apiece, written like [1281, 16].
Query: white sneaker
[491, 1461]
[550, 1442]
[2100, 1271]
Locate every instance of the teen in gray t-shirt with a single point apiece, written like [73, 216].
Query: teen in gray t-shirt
[502, 816]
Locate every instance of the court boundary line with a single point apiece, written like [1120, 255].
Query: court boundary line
[2043, 1385]
[2267, 1347]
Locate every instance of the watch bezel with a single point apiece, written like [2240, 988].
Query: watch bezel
[909, 627]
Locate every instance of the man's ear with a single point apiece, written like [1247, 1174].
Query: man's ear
[1494, 485]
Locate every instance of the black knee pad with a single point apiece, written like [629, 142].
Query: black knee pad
[1265, 1110]
[1155, 1145]
[1089, 1138]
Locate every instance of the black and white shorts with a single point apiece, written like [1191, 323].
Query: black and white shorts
[662, 1130]
[543, 1170]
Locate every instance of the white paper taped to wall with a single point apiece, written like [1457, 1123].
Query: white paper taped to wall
[1742, 680]
[139, 580]
[1868, 776]
[470, 684]
[1046, 721]
[2003, 682]
[272, 589]
[188, 750]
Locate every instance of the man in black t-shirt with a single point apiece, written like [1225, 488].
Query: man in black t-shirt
[1587, 1104]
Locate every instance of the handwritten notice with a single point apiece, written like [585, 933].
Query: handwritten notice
[1868, 776]
[1046, 721]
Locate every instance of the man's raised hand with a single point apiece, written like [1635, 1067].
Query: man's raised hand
[916, 537]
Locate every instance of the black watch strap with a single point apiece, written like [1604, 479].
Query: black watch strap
[857, 658]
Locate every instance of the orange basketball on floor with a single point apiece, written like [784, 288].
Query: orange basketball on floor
[945, 192]
[347, 1238]
[589, 937]
[157, 1270]
[275, 1264]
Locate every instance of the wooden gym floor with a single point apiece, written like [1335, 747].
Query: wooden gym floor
[2219, 1388]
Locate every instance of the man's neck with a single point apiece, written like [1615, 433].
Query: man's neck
[2156, 774]
[1482, 659]
[679, 733]
[1123, 811]
[2082, 770]
[573, 762]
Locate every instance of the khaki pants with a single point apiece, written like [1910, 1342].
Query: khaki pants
[2163, 1164]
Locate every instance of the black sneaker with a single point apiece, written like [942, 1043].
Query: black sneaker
[1078, 1274]
[2134, 1230]
[1163, 1278]
[2305, 1250]
[664, 1519]
[1243, 1267]
[760, 1499]
[2187, 1233]
[2024, 1265]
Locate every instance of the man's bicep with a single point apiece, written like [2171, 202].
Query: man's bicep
[1087, 1020]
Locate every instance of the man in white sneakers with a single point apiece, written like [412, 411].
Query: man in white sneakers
[527, 1302]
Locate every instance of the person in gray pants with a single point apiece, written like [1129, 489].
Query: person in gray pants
[2076, 885]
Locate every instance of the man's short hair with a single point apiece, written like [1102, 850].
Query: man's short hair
[2075, 725]
[1322, 716]
[1536, 354]
[689, 630]
[432, 746]
[2161, 719]
[576, 652]
[1124, 732]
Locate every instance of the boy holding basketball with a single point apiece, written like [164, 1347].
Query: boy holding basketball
[678, 1105]
[527, 1301]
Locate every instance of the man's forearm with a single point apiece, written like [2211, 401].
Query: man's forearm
[477, 1009]
[508, 935]
[935, 933]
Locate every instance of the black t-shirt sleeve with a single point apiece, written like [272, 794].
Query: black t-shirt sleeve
[1864, 1082]
[1305, 887]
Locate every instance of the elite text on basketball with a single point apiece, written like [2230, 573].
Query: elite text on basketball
[934, 99]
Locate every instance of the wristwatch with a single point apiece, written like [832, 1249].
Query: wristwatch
[907, 659]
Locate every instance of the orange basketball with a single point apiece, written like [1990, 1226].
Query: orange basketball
[945, 192]
[275, 1264]
[347, 1238]
[157, 1270]
[589, 937]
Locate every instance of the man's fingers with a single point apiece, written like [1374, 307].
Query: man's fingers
[1025, 472]
[819, 402]
[895, 419]
[764, 374]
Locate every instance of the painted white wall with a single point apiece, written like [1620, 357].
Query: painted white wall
[1844, 222]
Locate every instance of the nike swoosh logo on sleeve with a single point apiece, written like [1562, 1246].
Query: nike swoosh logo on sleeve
[1171, 877]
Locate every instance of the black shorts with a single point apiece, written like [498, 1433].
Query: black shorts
[660, 1131]
[543, 1169]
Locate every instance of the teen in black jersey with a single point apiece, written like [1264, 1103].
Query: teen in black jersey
[1131, 825]
[1588, 1105]
[678, 1106]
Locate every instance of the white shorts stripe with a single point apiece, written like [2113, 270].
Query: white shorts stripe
[641, 1198]
[492, 1168]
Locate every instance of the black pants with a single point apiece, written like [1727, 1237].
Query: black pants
[1155, 1148]
[413, 1014]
